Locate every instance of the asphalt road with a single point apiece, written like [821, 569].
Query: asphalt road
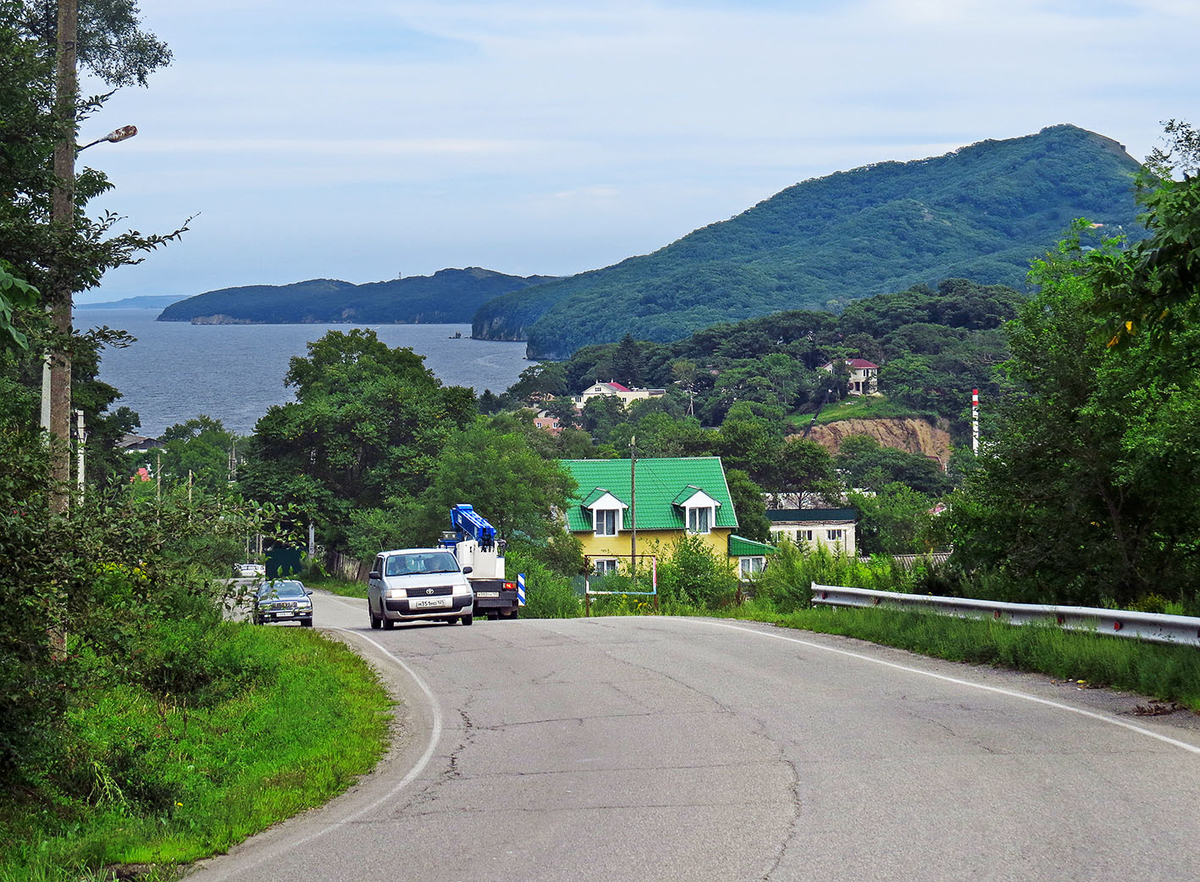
[687, 749]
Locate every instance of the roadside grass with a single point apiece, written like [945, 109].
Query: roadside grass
[1167, 673]
[336, 585]
[310, 718]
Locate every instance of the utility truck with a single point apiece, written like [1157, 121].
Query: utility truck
[480, 553]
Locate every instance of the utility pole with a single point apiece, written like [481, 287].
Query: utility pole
[62, 220]
[80, 441]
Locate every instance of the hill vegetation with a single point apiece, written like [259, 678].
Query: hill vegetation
[982, 212]
[448, 296]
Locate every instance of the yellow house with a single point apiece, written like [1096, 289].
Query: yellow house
[674, 497]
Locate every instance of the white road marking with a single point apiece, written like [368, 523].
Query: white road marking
[1024, 696]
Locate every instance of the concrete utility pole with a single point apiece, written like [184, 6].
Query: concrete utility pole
[80, 448]
[62, 219]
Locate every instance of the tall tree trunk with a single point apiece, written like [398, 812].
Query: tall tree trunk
[62, 216]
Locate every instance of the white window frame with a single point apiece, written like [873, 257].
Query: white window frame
[601, 515]
[749, 566]
[604, 566]
[693, 516]
[833, 535]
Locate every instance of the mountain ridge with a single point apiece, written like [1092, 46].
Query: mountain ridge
[449, 296]
[981, 212]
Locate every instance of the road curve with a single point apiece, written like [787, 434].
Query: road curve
[666, 749]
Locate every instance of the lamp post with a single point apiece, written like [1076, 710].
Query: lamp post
[121, 134]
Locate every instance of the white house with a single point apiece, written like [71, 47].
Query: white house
[863, 375]
[831, 527]
[616, 389]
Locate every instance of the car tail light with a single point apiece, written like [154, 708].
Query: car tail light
[510, 586]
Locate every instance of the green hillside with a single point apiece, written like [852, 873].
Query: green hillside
[448, 296]
[981, 212]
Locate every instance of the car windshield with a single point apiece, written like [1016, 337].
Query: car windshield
[281, 589]
[420, 562]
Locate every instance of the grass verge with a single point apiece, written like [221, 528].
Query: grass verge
[1168, 673]
[336, 585]
[310, 719]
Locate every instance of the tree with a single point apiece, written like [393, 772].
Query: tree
[545, 380]
[627, 362]
[44, 232]
[748, 505]
[751, 444]
[894, 520]
[867, 464]
[499, 474]
[199, 449]
[800, 467]
[1153, 285]
[1085, 491]
[368, 425]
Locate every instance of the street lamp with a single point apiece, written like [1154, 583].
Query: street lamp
[122, 134]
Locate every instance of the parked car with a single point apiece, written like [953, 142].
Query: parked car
[248, 570]
[283, 600]
[411, 584]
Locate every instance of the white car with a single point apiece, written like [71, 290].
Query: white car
[249, 570]
[411, 584]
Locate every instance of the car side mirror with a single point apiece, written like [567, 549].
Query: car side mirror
[309, 592]
[468, 570]
[374, 574]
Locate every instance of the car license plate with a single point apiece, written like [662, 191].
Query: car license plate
[487, 593]
[284, 615]
[430, 602]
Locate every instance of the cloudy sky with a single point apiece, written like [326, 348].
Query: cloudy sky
[364, 139]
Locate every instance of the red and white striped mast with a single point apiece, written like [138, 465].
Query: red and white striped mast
[975, 421]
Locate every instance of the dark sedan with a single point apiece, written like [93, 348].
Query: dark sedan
[283, 600]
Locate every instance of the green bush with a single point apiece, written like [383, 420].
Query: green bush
[547, 595]
[691, 575]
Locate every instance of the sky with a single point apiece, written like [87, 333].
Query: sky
[367, 139]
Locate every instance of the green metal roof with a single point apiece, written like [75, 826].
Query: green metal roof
[594, 495]
[810, 515]
[740, 546]
[659, 482]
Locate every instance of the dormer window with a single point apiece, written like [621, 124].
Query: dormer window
[608, 512]
[699, 509]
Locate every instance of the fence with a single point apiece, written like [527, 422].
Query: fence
[1151, 627]
[607, 579]
[345, 567]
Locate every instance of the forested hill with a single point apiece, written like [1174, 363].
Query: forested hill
[448, 296]
[981, 212]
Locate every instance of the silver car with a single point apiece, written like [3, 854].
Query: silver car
[283, 600]
[411, 584]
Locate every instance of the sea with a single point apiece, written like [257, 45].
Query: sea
[176, 370]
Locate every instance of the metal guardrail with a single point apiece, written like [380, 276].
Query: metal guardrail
[1151, 627]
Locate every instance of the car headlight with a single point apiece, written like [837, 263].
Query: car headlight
[395, 593]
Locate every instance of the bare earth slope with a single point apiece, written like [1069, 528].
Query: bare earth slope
[910, 434]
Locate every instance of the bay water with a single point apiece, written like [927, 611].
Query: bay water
[177, 370]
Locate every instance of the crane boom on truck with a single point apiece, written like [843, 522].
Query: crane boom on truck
[474, 543]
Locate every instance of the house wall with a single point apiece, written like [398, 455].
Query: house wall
[847, 545]
[665, 540]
